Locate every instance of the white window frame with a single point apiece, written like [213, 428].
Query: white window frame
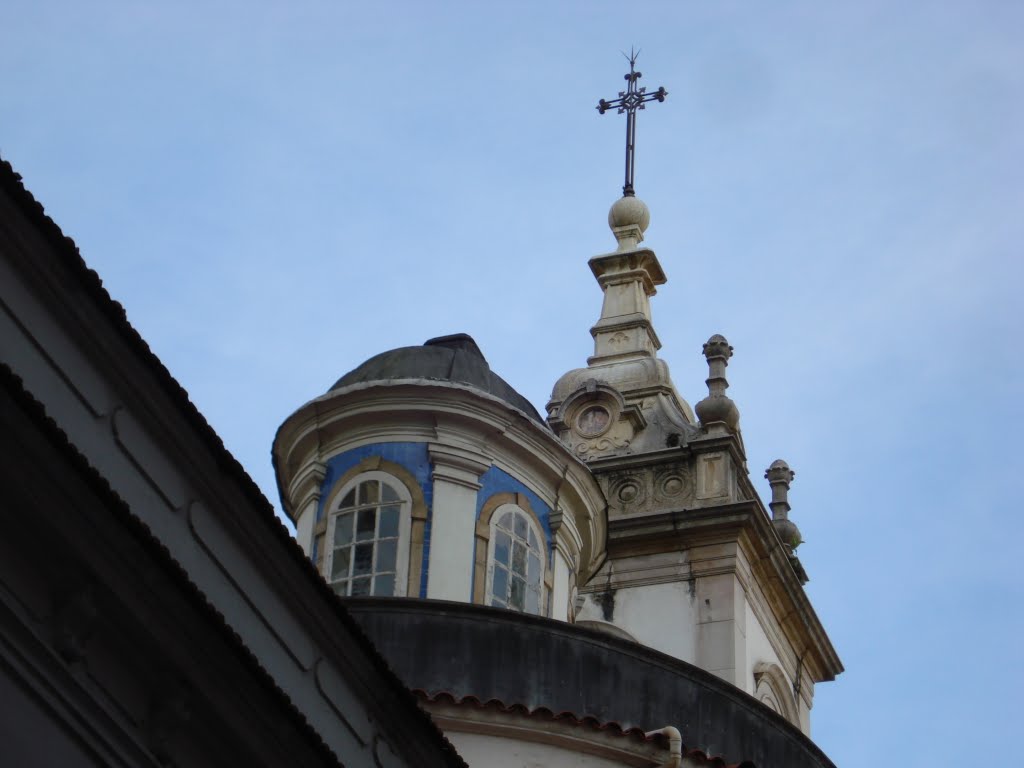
[404, 530]
[541, 552]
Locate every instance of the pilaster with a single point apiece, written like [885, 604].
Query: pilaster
[456, 477]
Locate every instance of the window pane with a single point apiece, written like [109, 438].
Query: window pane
[502, 544]
[386, 553]
[367, 525]
[533, 540]
[533, 573]
[384, 585]
[364, 559]
[339, 563]
[318, 547]
[341, 588]
[497, 603]
[369, 492]
[349, 500]
[521, 527]
[361, 586]
[499, 588]
[533, 601]
[343, 529]
[388, 493]
[517, 596]
[389, 521]
[519, 558]
[506, 521]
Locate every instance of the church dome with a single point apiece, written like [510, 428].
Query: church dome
[454, 358]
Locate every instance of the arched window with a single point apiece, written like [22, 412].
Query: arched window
[515, 577]
[368, 537]
[773, 689]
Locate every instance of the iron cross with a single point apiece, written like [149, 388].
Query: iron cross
[629, 101]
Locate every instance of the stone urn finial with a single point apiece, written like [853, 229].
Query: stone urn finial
[717, 410]
[779, 476]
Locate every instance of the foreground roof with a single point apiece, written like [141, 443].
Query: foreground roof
[46, 278]
[488, 654]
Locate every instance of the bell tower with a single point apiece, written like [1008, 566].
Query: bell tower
[696, 566]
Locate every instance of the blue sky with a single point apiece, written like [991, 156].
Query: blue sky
[276, 192]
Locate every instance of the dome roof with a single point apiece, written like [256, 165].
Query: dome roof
[454, 358]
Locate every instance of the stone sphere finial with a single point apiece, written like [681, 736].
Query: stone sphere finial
[717, 409]
[628, 219]
[779, 476]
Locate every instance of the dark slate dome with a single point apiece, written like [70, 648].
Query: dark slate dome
[454, 358]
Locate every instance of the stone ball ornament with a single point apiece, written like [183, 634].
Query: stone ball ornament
[629, 211]
[788, 532]
[779, 476]
[718, 409]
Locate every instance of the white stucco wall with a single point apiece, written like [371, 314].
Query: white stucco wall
[561, 587]
[661, 616]
[451, 542]
[721, 627]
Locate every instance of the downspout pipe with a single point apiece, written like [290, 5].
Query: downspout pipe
[675, 745]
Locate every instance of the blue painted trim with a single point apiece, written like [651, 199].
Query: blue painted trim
[496, 480]
[411, 456]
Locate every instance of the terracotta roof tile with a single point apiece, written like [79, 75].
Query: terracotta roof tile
[587, 721]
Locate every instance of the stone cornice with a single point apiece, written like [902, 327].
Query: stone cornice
[746, 523]
[721, 442]
[305, 486]
[706, 444]
[457, 465]
[637, 264]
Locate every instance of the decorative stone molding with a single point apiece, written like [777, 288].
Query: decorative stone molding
[642, 489]
[307, 485]
[628, 278]
[595, 420]
[713, 476]
[779, 477]
[772, 687]
[457, 465]
[628, 491]
[717, 412]
[674, 485]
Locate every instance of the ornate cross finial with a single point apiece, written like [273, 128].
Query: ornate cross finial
[629, 101]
